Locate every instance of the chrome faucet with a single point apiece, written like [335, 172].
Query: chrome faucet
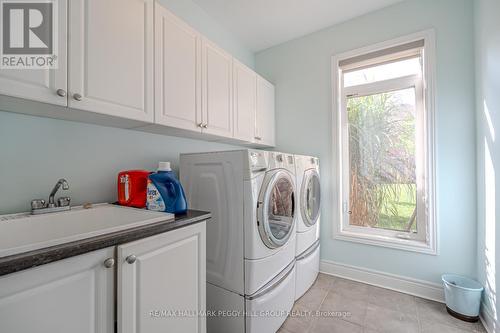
[38, 206]
[65, 187]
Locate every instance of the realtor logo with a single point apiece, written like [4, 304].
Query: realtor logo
[28, 34]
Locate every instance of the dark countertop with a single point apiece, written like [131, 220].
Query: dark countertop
[21, 261]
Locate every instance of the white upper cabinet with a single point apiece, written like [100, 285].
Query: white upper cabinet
[42, 85]
[166, 272]
[217, 111]
[134, 64]
[111, 57]
[177, 72]
[264, 130]
[245, 102]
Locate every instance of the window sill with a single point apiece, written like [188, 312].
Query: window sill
[389, 242]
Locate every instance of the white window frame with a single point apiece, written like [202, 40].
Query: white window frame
[425, 93]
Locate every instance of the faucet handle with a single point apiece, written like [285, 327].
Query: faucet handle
[63, 201]
[64, 183]
[37, 204]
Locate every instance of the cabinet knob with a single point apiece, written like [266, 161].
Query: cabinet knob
[61, 92]
[108, 263]
[200, 125]
[131, 259]
[77, 97]
[205, 125]
[258, 138]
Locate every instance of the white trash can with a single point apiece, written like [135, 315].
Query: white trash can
[462, 296]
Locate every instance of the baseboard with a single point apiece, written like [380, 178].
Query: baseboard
[489, 322]
[420, 288]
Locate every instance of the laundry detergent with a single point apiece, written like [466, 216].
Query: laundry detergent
[164, 191]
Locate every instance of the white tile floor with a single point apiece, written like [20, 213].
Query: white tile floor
[350, 307]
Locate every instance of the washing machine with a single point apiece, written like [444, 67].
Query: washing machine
[251, 237]
[308, 216]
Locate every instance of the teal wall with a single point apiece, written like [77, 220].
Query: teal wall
[36, 152]
[301, 70]
[487, 24]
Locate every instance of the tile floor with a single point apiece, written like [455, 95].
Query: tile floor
[350, 307]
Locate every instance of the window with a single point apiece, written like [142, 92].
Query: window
[384, 115]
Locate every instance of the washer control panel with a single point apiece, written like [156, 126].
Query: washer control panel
[258, 160]
[282, 161]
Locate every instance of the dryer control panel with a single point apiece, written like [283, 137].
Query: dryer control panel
[258, 161]
[279, 160]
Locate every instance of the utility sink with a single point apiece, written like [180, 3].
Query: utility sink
[25, 232]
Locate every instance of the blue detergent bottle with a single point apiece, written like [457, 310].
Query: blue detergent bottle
[164, 192]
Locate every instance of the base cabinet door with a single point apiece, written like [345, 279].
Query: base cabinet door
[111, 57]
[161, 283]
[71, 295]
[41, 85]
[264, 129]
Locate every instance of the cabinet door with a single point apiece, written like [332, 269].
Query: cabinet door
[41, 85]
[111, 52]
[217, 90]
[177, 72]
[245, 102]
[264, 131]
[71, 295]
[160, 275]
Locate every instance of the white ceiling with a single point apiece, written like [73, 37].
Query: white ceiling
[260, 24]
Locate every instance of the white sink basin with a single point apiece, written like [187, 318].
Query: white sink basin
[24, 232]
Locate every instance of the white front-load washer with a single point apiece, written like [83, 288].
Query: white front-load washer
[308, 216]
[251, 236]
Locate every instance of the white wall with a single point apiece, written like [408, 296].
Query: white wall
[487, 24]
[36, 152]
[301, 70]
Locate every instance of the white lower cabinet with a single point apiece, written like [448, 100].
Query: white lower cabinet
[71, 295]
[161, 283]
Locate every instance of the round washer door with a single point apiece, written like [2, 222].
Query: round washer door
[276, 208]
[310, 197]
